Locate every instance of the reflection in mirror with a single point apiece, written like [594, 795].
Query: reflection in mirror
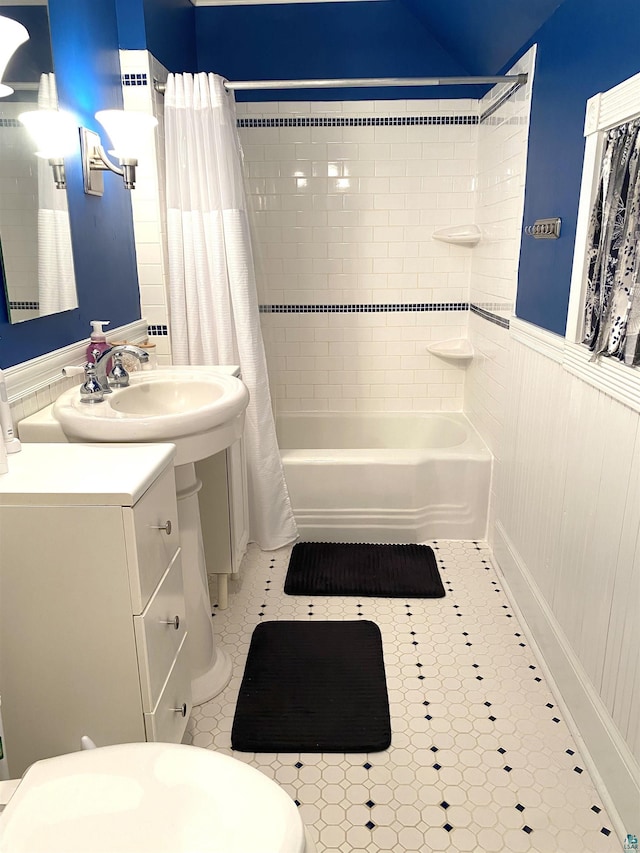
[35, 238]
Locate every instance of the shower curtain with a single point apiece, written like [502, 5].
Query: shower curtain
[212, 289]
[56, 279]
[612, 305]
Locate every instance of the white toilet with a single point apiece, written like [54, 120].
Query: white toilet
[149, 798]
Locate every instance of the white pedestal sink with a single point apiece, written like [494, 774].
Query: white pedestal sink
[201, 411]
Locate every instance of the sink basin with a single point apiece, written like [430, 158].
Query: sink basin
[199, 409]
[165, 398]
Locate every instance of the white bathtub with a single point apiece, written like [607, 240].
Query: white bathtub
[385, 478]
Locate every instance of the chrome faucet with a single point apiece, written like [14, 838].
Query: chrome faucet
[102, 359]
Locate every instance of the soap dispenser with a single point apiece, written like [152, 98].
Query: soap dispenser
[97, 340]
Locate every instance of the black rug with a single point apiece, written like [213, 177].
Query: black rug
[386, 571]
[313, 687]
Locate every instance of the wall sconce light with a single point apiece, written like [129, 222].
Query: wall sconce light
[55, 134]
[128, 132]
[12, 35]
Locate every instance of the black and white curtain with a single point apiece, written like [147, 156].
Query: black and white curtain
[612, 305]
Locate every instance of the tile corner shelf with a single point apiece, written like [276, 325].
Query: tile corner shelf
[456, 349]
[464, 235]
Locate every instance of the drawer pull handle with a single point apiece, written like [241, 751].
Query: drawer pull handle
[166, 527]
[175, 622]
[181, 710]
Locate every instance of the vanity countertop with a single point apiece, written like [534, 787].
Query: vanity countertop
[83, 474]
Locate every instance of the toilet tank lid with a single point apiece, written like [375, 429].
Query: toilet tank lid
[150, 798]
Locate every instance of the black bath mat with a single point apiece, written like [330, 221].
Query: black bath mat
[313, 687]
[386, 571]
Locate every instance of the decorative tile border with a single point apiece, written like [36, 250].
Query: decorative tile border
[10, 122]
[363, 121]
[135, 80]
[489, 315]
[158, 331]
[364, 308]
[24, 306]
[381, 308]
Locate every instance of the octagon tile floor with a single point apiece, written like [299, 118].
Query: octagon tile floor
[481, 758]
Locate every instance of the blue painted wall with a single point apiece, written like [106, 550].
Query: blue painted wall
[131, 32]
[322, 40]
[587, 47]
[85, 46]
[166, 28]
[483, 35]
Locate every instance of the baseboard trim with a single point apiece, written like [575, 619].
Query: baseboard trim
[613, 768]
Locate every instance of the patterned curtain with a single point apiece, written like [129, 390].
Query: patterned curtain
[612, 307]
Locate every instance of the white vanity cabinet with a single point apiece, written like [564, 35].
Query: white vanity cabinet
[92, 627]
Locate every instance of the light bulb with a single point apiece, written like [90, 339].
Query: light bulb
[55, 132]
[126, 130]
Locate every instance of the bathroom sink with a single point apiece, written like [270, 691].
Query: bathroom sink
[199, 409]
[165, 397]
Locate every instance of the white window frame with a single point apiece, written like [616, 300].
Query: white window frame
[604, 111]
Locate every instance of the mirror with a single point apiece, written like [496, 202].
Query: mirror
[35, 238]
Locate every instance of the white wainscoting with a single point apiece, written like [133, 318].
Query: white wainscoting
[567, 540]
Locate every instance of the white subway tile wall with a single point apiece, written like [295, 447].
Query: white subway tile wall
[33, 401]
[139, 69]
[344, 198]
[362, 361]
[501, 163]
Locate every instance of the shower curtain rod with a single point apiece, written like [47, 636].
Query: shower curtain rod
[362, 82]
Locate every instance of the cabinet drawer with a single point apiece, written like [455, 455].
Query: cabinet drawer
[159, 633]
[151, 542]
[168, 722]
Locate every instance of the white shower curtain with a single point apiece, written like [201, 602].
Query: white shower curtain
[212, 289]
[56, 278]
